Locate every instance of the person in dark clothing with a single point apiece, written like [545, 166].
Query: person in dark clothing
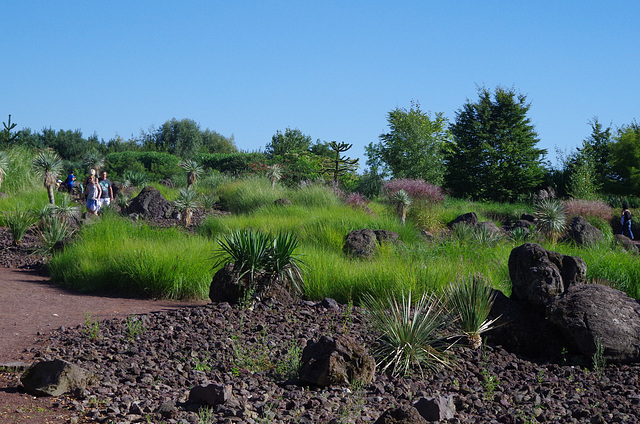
[625, 221]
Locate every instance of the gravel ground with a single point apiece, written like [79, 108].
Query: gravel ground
[146, 370]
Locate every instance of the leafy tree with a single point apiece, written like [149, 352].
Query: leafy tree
[494, 155]
[340, 164]
[414, 148]
[289, 142]
[212, 142]
[625, 160]
[177, 137]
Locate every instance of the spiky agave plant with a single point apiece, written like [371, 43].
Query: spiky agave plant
[551, 218]
[48, 166]
[411, 334]
[194, 171]
[246, 249]
[470, 301]
[186, 203]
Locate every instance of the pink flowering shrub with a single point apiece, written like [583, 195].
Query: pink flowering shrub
[357, 201]
[417, 189]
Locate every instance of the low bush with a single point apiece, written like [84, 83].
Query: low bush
[588, 209]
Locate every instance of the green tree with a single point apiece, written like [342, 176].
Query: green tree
[341, 165]
[212, 142]
[625, 160]
[289, 142]
[494, 155]
[414, 148]
[6, 136]
[182, 138]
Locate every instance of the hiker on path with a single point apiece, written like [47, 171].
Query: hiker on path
[625, 221]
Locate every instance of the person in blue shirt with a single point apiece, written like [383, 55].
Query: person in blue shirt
[70, 181]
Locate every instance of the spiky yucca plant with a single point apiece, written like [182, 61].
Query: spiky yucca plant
[274, 173]
[48, 166]
[134, 178]
[194, 170]
[411, 334]
[54, 231]
[471, 301]
[551, 218]
[93, 160]
[252, 251]
[402, 201]
[186, 203]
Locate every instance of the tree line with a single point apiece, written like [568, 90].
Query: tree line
[488, 151]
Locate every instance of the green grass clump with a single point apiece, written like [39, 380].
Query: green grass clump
[115, 255]
[248, 194]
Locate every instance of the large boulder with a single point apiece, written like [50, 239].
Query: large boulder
[523, 329]
[150, 204]
[228, 285]
[538, 275]
[55, 378]
[336, 362]
[210, 394]
[590, 313]
[364, 243]
[469, 218]
[625, 243]
[583, 233]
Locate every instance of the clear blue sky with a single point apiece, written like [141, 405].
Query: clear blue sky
[332, 69]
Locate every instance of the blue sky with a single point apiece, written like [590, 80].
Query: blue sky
[332, 69]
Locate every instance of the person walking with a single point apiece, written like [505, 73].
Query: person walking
[93, 192]
[107, 190]
[625, 221]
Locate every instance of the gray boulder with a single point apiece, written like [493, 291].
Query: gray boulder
[336, 362]
[625, 243]
[538, 275]
[364, 243]
[583, 233]
[55, 378]
[591, 312]
[150, 204]
[282, 202]
[210, 394]
[469, 218]
[440, 408]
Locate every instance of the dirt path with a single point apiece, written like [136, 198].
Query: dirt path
[30, 307]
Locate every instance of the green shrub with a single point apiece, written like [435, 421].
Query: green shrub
[157, 165]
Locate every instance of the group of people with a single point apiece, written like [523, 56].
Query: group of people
[98, 191]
